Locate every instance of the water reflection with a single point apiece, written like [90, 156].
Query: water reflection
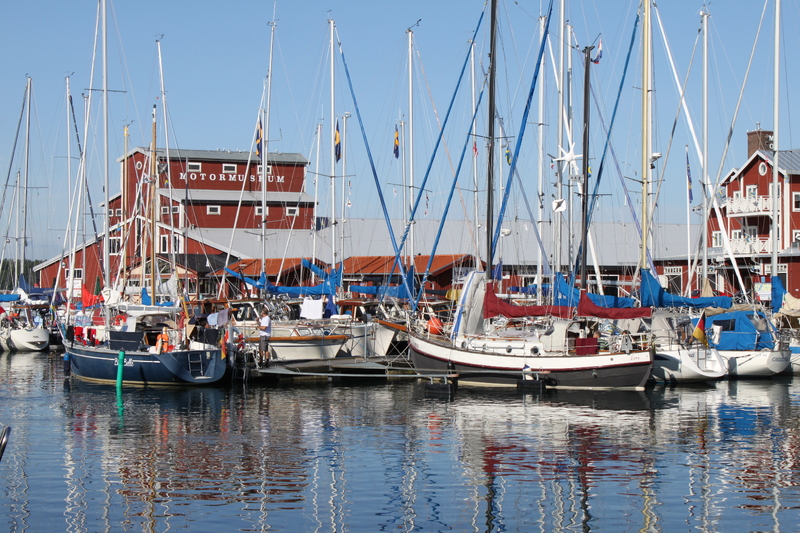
[336, 458]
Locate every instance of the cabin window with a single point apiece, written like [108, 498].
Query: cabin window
[213, 210]
[716, 239]
[114, 245]
[229, 168]
[291, 211]
[194, 167]
[261, 168]
[260, 210]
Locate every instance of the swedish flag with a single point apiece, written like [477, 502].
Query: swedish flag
[508, 155]
[337, 144]
[396, 143]
[260, 142]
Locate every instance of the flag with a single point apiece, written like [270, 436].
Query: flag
[689, 175]
[700, 330]
[260, 142]
[337, 144]
[596, 59]
[508, 155]
[396, 143]
[475, 147]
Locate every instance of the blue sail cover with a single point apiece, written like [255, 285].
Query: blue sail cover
[565, 295]
[9, 297]
[778, 292]
[654, 295]
[741, 330]
[391, 291]
[328, 286]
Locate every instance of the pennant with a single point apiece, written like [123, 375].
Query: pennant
[475, 147]
[260, 142]
[689, 175]
[337, 144]
[596, 59]
[508, 155]
[396, 143]
[700, 330]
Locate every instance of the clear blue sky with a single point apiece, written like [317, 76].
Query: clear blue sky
[215, 58]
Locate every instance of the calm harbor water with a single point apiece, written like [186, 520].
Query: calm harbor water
[379, 457]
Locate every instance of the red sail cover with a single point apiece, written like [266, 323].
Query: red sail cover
[493, 306]
[586, 307]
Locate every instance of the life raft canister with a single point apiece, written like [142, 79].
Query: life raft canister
[435, 326]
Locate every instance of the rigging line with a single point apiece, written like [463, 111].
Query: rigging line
[14, 149]
[524, 124]
[448, 202]
[608, 146]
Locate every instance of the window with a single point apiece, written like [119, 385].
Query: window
[194, 167]
[751, 191]
[260, 211]
[119, 212]
[736, 235]
[77, 273]
[291, 211]
[716, 239]
[213, 210]
[111, 212]
[796, 235]
[229, 168]
[114, 245]
[269, 170]
[176, 244]
[796, 201]
[737, 195]
[165, 209]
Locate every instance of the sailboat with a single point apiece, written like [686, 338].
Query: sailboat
[18, 329]
[543, 342]
[144, 343]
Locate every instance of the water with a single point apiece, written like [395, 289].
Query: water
[382, 457]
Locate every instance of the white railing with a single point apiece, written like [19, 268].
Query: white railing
[751, 245]
[747, 205]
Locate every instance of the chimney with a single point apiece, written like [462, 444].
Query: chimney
[759, 140]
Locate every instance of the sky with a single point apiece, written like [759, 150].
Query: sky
[215, 60]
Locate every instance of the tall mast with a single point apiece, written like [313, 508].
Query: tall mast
[170, 217]
[706, 185]
[24, 192]
[333, 153]
[646, 43]
[490, 150]
[539, 258]
[106, 239]
[587, 62]
[558, 225]
[475, 159]
[153, 212]
[775, 116]
[410, 33]
[265, 150]
[316, 204]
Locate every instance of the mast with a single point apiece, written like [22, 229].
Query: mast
[24, 193]
[490, 150]
[171, 235]
[265, 150]
[410, 33]
[106, 240]
[153, 208]
[587, 61]
[558, 223]
[343, 141]
[775, 116]
[316, 204]
[475, 160]
[706, 185]
[646, 43]
[333, 154]
[539, 258]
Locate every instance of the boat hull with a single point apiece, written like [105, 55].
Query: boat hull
[190, 367]
[305, 348]
[681, 365]
[630, 371]
[755, 363]
[25, 339]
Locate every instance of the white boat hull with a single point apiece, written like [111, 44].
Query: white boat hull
[761, 363]
[25, 339]
[686, 365]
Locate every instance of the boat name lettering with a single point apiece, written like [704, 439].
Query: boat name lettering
[128, 362]
[202, 176]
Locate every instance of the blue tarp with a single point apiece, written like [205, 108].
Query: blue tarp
[383, 291]
[654, 295]
[778, 292]
[328, 286]
[9, 297]
[741, 330]
[146, 300]
[568, 296]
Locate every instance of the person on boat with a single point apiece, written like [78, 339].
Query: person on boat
[162, 342]
[264, 334]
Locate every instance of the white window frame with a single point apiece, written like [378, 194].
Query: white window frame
[261, 169]
[229, 168]
[114, 245]
[77, 273]
[751, 191]
[716, 239]
[164, 243]
[119, 212]
[796, 235]
[292, 211]
[193, 166]
[737, 195]
[260, 210]
[736, 235]
[796, 201]
[213, 210]
[165, 210]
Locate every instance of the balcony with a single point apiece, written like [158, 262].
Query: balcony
[759, 205]
[751, 245]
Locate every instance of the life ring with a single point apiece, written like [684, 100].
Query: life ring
[120, 319]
